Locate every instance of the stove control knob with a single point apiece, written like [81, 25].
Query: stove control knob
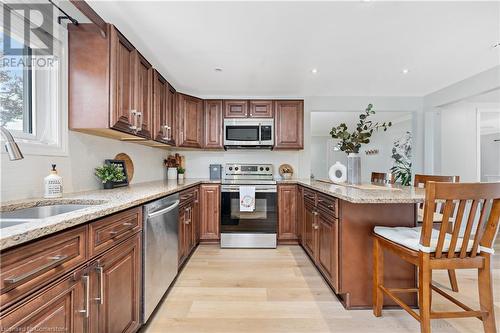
[267, 168]
[261, 169]
[230, 168]
[236, 168]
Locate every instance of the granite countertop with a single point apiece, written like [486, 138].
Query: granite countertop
[104, 202]
[395, 194]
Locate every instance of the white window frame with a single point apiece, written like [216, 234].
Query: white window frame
[49, 100]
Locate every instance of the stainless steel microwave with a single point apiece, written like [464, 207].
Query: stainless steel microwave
[249, 133]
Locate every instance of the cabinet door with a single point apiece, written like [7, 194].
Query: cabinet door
[59, 308]
[121, 83]
[182, 235]
[172, 114]
[191, 121]
[289, 123]
[287, 213]
[213, 124]
[161, 130]
[143, 93]
[115, 280]
[235, 109]
[328, 248]
[209, 212]
[196, 217]
[300, 214]
[261, 109]
[309, 231]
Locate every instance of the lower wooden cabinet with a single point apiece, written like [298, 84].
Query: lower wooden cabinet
[188, 222]
[309, 233]
[287, 214]
[60, 308]
[115, 288]
[327, 249]
[209, 212]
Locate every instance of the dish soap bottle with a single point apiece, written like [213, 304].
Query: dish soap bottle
[53, 184]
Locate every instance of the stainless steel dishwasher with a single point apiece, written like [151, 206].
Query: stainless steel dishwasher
[160, 246]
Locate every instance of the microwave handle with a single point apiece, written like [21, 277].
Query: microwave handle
[260, 133]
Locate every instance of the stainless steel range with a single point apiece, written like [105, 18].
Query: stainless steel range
[253, 225]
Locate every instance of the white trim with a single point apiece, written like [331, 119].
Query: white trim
[486, 249]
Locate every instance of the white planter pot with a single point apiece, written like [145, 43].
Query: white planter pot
[172, 173]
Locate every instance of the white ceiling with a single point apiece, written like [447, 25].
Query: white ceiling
[322, 122]
[269, 48]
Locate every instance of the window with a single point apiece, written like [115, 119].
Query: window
[33, 82]
[15, 94]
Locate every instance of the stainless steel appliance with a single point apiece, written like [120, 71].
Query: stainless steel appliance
[249, 133]
[160, 246]
[257, 228]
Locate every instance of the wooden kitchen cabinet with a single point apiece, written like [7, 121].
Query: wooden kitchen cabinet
[58, 308]
[213, 125]
[287, 214]
[188, 222]
[289, 124]
[164, 125]
[235, 108]
[143, 95]
[309, 241]
[115, 288]
[261, 109]
[209, 212]
[328, 248]
[300, 214]
[190, 129]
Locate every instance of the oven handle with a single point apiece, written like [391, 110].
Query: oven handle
[257, 190]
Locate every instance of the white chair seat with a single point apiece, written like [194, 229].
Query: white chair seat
[410, 238]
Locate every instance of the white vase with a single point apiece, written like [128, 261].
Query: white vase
[337, 173]
[172, 173]
[354, 169]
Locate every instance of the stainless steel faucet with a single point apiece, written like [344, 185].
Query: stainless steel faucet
[11, 145]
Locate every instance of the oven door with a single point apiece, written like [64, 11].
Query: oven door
[263, 220]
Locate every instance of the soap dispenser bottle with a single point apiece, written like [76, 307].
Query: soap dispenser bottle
[53, 184]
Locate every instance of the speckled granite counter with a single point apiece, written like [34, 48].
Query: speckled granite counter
[105, 202]
[404, 194]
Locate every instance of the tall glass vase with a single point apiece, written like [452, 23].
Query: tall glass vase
[353, 169]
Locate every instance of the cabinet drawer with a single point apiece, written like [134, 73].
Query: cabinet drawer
[327, 204]
[309, 197]
[107, 232]
[30, 267]
[188, 196]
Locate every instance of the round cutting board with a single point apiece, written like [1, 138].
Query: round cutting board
[128, 164]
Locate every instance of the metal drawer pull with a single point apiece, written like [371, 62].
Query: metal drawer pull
[316, 227]
[315, 213]
[54, 261]
[331, 206]
[139, 127]
[133, 115]
[127, 224]
[87, 296]
[101, 285]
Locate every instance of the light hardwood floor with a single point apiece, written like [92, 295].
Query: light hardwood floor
[258, 291]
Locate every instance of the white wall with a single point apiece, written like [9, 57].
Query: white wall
[356, 104]
[24, 178]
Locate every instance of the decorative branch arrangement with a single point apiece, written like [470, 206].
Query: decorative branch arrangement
[401, 154]
[351, 142]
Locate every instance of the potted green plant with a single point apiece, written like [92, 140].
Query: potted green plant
[109, 173]
[180, 173]
[401, 154]
[351, 142]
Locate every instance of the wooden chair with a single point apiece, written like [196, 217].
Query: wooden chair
[430, 249]
[382, 178]
[420, 181]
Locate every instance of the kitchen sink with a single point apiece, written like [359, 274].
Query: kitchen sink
[25, 215]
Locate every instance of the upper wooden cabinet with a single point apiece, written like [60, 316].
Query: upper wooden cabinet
[289, 124]
[213, 124]
[235, 109]
[110, 88]
[248, 109]
[163, 110]
[261, 109]
[190, 121]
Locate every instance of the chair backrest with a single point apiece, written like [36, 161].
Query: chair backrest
[420, 179]
[382, 178]
[469, 198]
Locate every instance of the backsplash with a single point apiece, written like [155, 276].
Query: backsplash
[24, 178]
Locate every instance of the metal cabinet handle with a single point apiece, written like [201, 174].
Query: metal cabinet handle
[315, 213]
[315, 226]
[164, 131]
[331, 206]
[141, 117]
[100, 270]
[127, 224]
[54, 261]
[169, 133]
[133, 115]
[87, 296]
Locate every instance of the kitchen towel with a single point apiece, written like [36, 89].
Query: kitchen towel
[247, 198]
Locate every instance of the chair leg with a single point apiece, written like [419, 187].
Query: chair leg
[486, 295]
[424, 292]
[453, 280]
[378, 278]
